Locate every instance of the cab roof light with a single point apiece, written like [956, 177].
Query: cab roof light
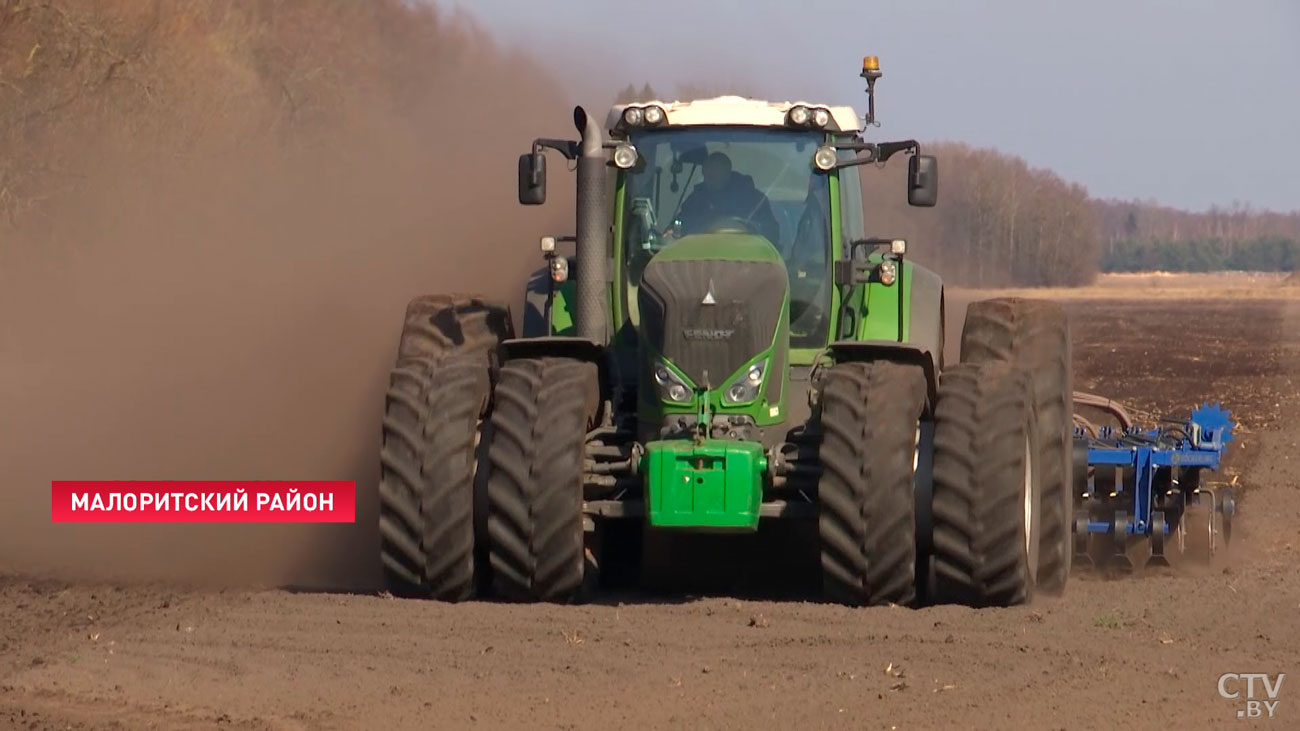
[651, 115]
[801, 115]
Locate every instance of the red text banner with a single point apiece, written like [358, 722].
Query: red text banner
[165, 501]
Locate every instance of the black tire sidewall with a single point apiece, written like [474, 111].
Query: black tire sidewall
[1034, 335]
[984, 419]
[444, 463]
[543, 408]
[866, 498]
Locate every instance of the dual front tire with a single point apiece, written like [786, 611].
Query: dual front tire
[869, 419]
[544, 409]
[1003, 500]
[426, 488]
[986, 494]
[480, 490]
[995, 528]
[1034, 336]
[438, 393]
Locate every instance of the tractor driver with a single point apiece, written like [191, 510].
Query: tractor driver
[724, 193]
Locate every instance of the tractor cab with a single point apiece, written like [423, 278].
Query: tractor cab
[702, 177]
[733, 167]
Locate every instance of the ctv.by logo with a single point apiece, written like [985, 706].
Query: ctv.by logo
[1230, 687]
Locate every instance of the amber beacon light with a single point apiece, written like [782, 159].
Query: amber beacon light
[871, 72]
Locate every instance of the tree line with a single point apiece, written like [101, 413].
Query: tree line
[1265, 254]
[1143, 236]
[1001, 222]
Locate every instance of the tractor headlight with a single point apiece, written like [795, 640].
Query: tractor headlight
[654, 115]
[821, 117]
[888, 273]
[671, 386]
[632, 116]
[799, 115]
[744, 389]
[625, 156]
[824, 158]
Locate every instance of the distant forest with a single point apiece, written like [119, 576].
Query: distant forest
[1144, 237]
[1001, 222]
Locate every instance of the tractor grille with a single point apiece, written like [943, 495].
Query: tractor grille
[709, 342]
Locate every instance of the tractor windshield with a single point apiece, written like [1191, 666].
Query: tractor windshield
[715, 179]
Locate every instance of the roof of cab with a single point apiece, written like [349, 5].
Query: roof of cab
[737, 110]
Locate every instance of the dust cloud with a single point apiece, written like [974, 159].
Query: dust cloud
[216, 217]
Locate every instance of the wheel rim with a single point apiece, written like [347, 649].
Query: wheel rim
[1027, 490]
[916, 449]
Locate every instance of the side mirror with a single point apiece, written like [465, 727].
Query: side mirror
[532, 178]
[922, 180]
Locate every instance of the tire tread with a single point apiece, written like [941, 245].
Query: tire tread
[869, 413]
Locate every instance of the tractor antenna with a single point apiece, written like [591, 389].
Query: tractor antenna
[871, 72]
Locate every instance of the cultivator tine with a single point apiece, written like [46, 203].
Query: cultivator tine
[1158, 558]
[1120, 561]
[1082, 557]
[1227, 509]
[1214, 508]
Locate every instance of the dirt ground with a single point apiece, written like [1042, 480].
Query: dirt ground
[1145, 651]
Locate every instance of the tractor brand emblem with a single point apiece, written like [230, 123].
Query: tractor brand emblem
[708, 296]
[707, 333]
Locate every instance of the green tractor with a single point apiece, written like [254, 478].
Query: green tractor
[725, 347]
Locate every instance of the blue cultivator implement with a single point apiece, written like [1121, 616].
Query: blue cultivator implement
[1139, 494]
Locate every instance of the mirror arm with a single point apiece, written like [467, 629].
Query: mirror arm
[886, 150]
[568, 148]
[876, 151]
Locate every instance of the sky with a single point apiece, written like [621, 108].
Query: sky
[1188, 103]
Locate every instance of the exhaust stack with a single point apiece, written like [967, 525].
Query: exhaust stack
[592, 320]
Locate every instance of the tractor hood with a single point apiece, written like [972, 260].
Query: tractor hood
[710, 304]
